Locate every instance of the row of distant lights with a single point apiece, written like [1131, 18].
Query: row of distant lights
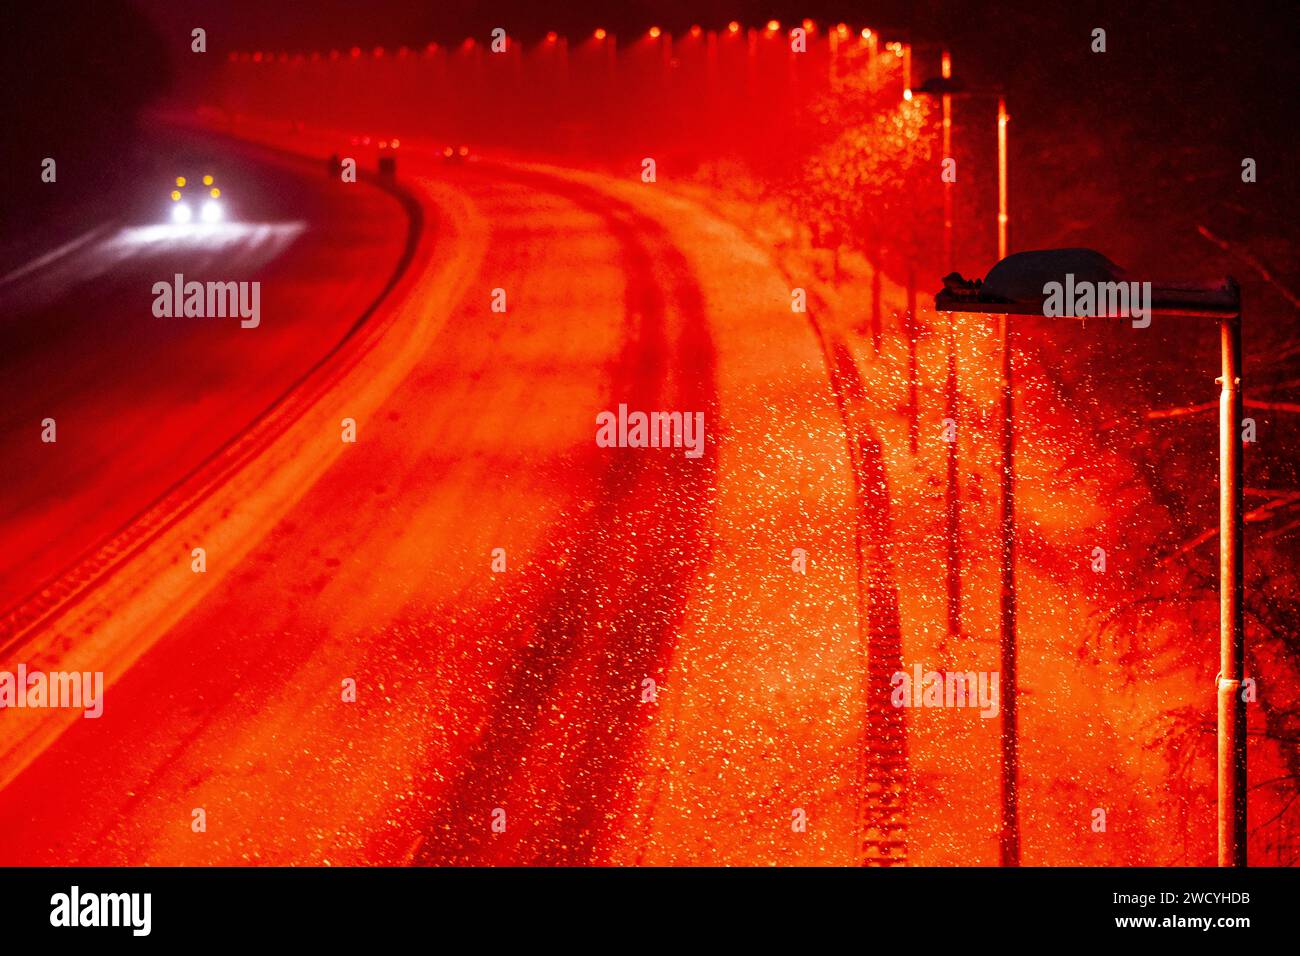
[600, 33]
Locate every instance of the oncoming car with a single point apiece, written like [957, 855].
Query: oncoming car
[190, 197]
[455, 154]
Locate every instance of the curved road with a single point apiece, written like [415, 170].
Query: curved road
[139, 401]
[516, 697]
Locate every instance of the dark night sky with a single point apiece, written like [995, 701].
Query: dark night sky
[1166, 57]
[1226, 66]
[1205, 75]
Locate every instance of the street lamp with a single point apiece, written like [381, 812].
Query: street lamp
[946, 86]
[1017, 286]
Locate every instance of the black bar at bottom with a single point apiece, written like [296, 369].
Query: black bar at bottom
[209, 906]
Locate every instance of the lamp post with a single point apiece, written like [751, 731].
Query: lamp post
[952, 510]
[1016, 286]
[946, 86]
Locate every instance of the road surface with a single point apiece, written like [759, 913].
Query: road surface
[139, 402]
[519, 697]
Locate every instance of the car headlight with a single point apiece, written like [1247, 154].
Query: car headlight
[211, 211]
[181, 212]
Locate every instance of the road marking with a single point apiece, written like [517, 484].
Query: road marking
[40, 262]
